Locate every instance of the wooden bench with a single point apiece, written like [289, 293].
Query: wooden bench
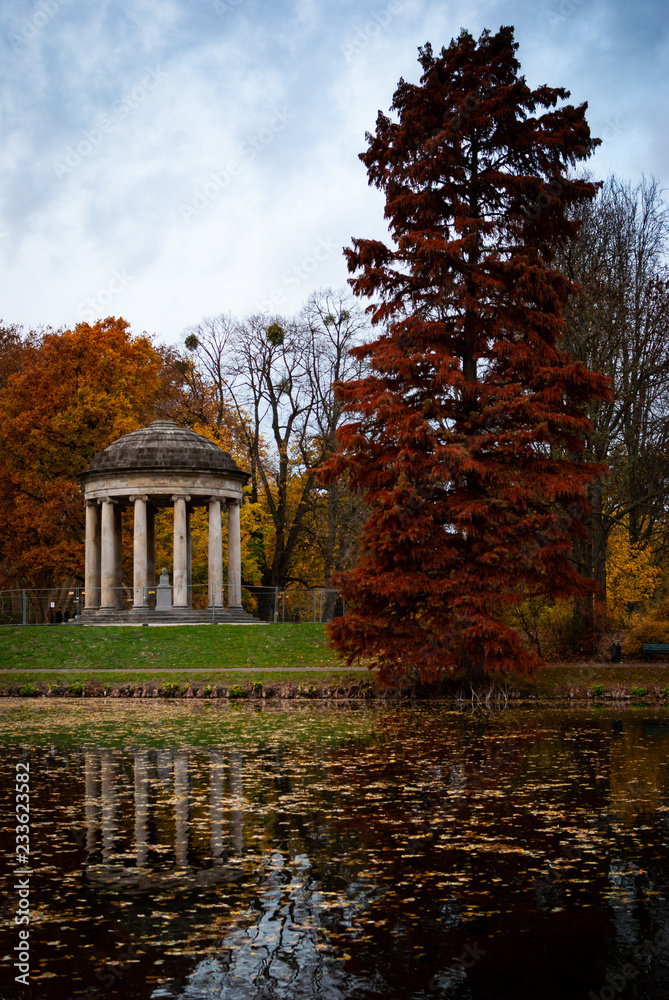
[655, 647]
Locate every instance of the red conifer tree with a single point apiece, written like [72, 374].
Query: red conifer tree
[465, 436]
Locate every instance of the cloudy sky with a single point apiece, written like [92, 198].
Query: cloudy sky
[164, 160]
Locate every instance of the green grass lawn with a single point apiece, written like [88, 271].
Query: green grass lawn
[186, 648]
[243, 654]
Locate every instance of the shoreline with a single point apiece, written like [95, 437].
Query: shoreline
[363, 690]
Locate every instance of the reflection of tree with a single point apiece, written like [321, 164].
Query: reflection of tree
[641, 786]
[489, 804]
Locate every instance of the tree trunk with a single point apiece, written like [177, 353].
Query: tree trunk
[598, 540]
[474, 667]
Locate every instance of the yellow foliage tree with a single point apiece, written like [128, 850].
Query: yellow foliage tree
[632, 574]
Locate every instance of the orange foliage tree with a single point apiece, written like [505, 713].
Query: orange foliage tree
[465, 437]
[71, 395]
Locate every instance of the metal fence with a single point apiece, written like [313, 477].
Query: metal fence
[271, 604]
[64, 605]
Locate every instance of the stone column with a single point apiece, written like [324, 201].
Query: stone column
[234, 556]
[215, 562]
[139, 551]
[118, 553]
[189, 562]
[180, 567]
[92, 566]
[150, 546]
[108, 554]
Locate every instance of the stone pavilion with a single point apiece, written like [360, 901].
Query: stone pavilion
[162, 465]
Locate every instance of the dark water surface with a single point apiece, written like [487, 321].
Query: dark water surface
[214, 851]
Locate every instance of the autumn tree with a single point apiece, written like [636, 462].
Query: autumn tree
[466, 436]
[70, 395]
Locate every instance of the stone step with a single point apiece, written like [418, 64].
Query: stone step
[186, 616]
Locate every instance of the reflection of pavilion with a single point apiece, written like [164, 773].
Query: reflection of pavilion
[171, 774]
[282, 946]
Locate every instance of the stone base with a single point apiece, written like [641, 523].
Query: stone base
[168, 616]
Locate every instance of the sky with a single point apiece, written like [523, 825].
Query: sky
[166, 160]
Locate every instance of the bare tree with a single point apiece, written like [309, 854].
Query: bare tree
[336, 324]
[278, 375]
[619, 324]
[204, 372]
[268, 378]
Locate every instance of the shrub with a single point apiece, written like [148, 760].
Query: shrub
[237, 691]
[257, 687]
[170, 690]
[597, 690]
[554, 630]
[665, 692]
[649, 625]
[638, 692]
[76, 689]
[206, 691]
[28, 691]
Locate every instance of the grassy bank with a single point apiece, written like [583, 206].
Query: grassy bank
[276, 657]
[203, 656]
[579, 679]
[212, 647]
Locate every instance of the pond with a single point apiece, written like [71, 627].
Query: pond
[194, 851]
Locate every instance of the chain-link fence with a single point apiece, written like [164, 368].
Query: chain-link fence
[64, 605]
[40, 607]
[271, 604]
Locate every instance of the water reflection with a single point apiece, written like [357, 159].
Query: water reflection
[172, 774]
[216, 793]
[141, 769]
[385, 853]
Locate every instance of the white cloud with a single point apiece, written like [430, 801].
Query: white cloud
[228, 74]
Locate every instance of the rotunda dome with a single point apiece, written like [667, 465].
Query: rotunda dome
[162, 445]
